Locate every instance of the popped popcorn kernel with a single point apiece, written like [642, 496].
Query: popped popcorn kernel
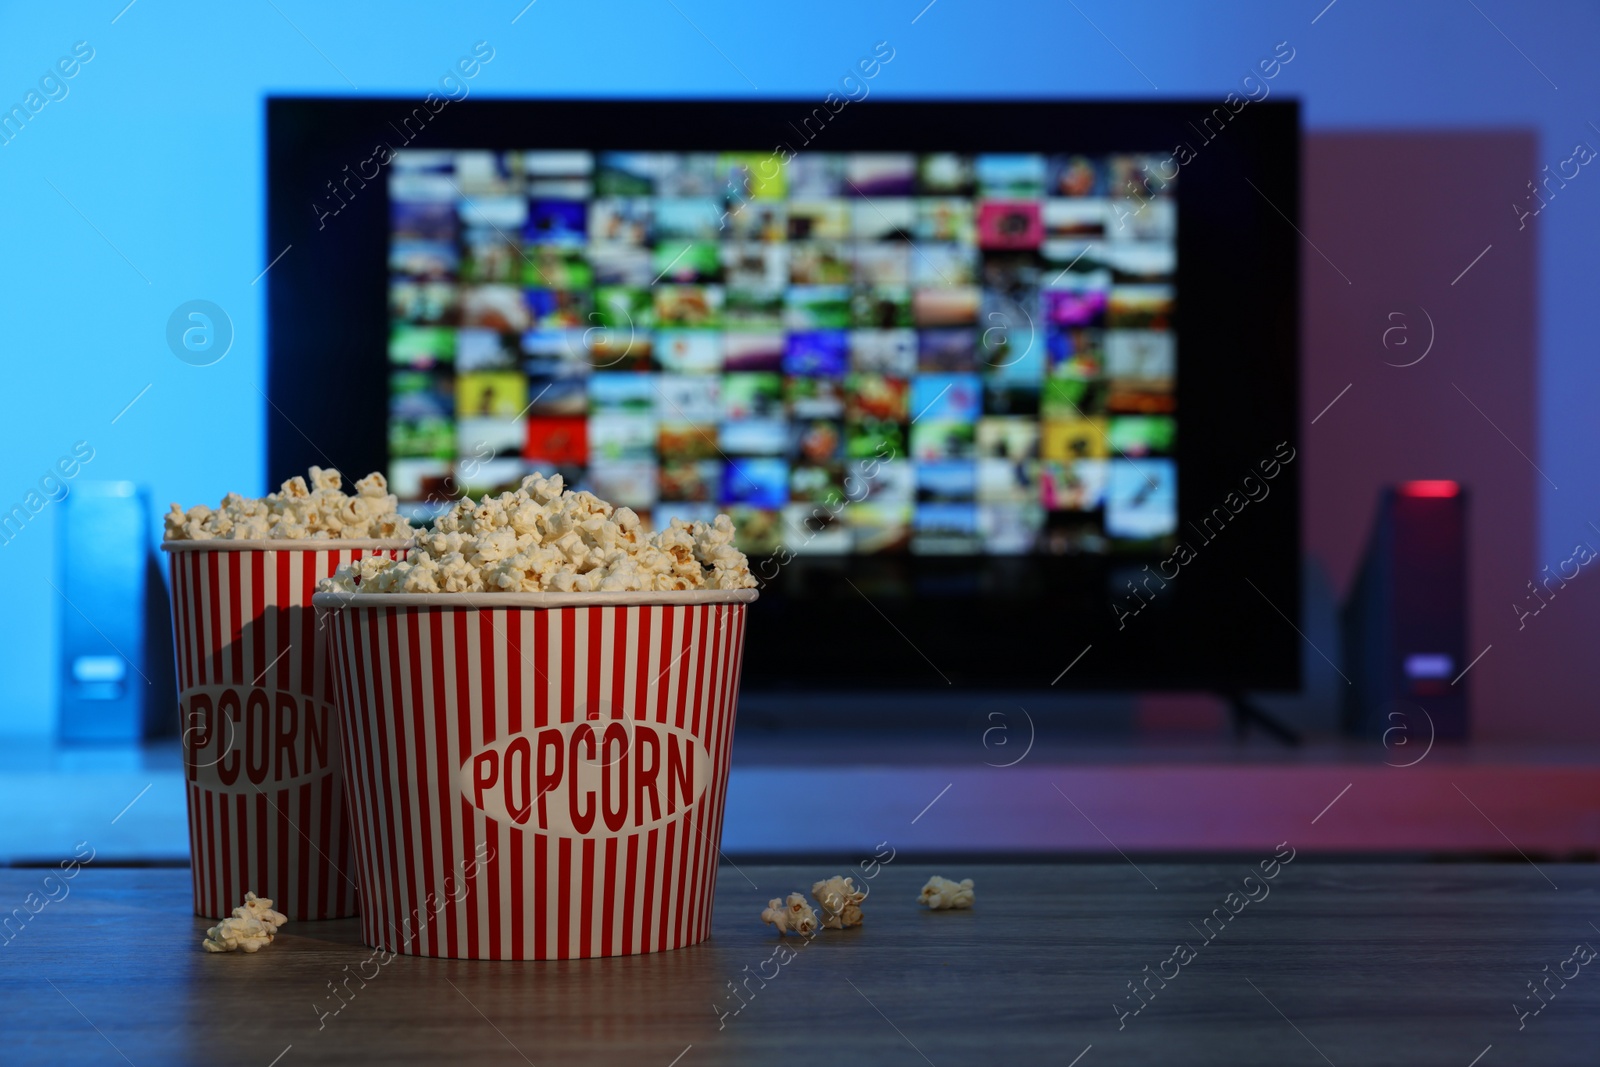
[252, 926]
[298, 511]
[238, 935]
[543, 538]
[942, 893]
[325, 481]
[840, 900]
[374, 485]
[260, 908]
[792, 916]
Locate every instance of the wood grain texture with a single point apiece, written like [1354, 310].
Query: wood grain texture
[1373, 963]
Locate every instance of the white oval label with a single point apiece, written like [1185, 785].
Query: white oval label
[598, 778]
[245, 739]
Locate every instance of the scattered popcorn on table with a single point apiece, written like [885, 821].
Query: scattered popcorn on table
[546, 539]
[941, 893]
[840, 900]
[296, 512]
[795, 917]
[252, 925]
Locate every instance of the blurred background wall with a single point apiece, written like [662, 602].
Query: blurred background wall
[138, 186]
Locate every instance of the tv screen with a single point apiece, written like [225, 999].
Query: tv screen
[983, 385]
[856, 352]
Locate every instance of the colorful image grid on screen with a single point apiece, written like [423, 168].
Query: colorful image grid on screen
[850, 352]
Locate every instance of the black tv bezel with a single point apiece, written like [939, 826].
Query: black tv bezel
[911, 623]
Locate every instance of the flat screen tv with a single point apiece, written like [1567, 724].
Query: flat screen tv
[1001, 395]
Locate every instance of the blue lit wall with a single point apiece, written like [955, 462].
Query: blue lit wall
[141, 187]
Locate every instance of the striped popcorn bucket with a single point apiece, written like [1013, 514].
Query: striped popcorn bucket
[260, 737]
[537, 776]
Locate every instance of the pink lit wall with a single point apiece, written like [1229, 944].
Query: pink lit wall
[1396, 223]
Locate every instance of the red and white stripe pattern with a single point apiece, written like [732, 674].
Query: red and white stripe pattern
[249, 654]
[424, 688]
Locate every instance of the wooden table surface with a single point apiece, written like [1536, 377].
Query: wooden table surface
[1340, 963]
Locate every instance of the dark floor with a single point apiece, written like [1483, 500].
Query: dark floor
[1336, 964]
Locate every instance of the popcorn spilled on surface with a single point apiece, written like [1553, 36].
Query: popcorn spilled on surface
[252, 925]
[546, 539]
[840, 900]
[795, 916]
[942, 893]
[297, 512]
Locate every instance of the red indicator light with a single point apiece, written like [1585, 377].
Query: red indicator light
[1430, 488]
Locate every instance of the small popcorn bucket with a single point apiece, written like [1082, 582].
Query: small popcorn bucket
[262, 772]
[536, 776]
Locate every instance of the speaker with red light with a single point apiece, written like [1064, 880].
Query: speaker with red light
[1405, 620]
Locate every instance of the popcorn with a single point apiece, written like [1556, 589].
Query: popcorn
[252, 925]
[320, 510]
[794, 916]
[238, 935]
[841, 902]
[544, 538]
[260, 908]
[941, 893]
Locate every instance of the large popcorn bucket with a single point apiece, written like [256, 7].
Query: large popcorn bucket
[537, 776]
[262, 771]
